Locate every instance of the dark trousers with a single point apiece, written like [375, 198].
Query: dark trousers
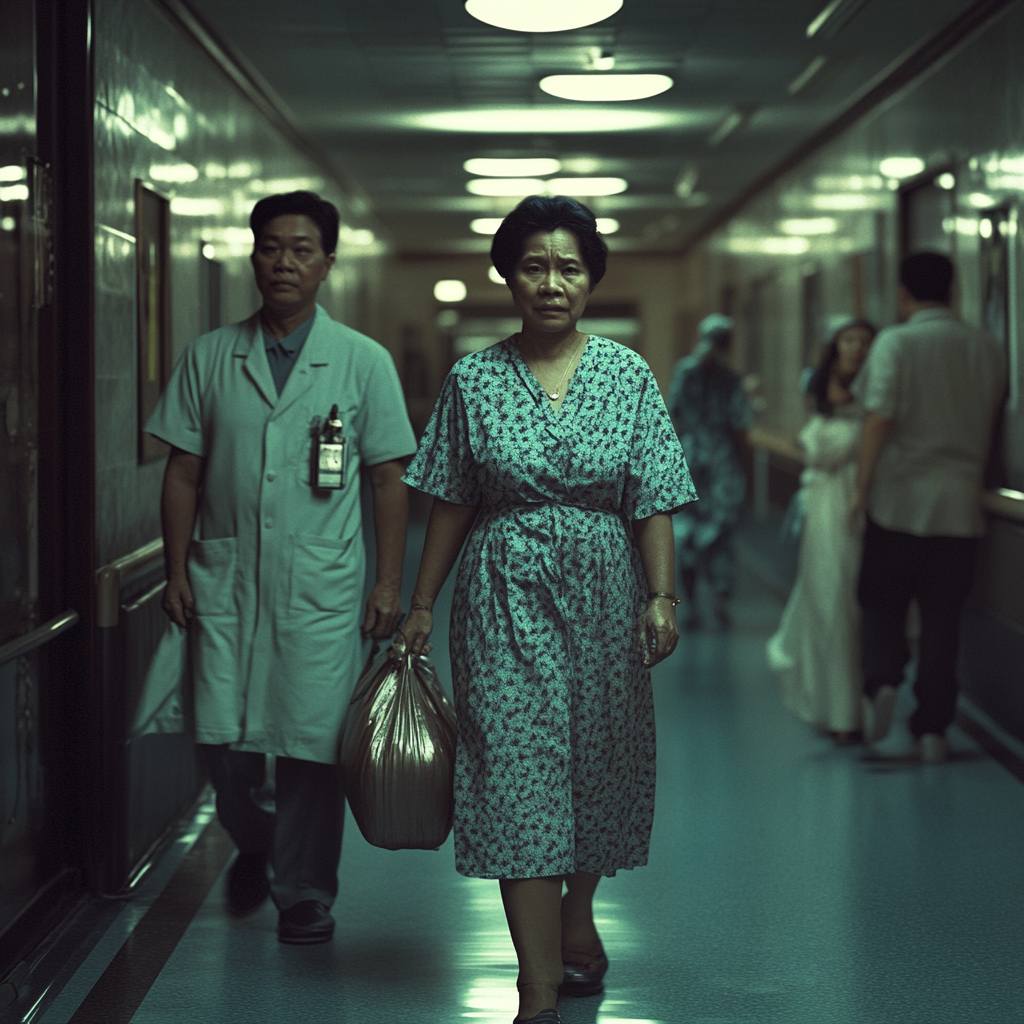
[302, 840]
[897, 568]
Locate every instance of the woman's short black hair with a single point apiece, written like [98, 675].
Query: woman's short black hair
[548, 213]
[817, 386]
[322, 213]
[928, 276]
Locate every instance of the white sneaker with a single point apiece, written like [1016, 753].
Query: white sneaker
[878, 714]
[932, 748]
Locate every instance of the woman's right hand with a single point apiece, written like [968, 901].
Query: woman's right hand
[415, 631]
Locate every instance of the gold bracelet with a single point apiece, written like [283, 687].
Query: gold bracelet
[668, 597]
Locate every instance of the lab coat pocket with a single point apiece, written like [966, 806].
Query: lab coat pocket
[323, 578]
[211, 571]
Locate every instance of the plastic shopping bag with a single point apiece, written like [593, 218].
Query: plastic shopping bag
[397, 754]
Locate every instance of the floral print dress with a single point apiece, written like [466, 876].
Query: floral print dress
[555, 764]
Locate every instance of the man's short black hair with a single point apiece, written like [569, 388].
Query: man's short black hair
[548, 213]
[322, 213]
[928, 276]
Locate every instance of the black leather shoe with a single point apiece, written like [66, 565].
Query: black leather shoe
[579, 981]
[247, 883]
[544, 1017]
[305, 924]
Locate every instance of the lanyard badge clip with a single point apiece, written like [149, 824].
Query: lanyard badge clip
[332, 454]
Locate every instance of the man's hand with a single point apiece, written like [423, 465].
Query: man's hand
[383, 612]
[178, 603]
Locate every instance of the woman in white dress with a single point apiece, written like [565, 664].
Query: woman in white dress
[815, 654]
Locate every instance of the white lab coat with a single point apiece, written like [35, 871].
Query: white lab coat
[276, 567]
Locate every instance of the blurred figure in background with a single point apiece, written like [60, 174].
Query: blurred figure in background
[815, 654]
[932, 388]
[712, 414]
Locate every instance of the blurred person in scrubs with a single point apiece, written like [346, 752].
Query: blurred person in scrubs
[269, 421]
[712, 415]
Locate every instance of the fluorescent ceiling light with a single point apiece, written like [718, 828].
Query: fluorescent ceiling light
[806, 75]
[848, 201]
[541, 120]
[607, 225]
[12, 172]
[843, 182]
[493, 275]
[506, 186]
[541, 15]
[186, 207]
[13, 193]
[946, 181]
[980, 200]
[485, 225]
[450, 291]
[729, 124]
[809, 226]
[356, 236]
[769, 246]
[833, 17]
[526, 167]
[179, 173]
[605, 88]
[586, 186]
[960, 225]
[901, 166]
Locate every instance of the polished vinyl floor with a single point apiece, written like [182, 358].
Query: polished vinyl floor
[790, 882]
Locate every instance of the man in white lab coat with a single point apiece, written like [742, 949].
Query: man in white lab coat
[265, 556]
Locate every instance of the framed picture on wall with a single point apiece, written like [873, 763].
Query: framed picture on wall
[153, 308]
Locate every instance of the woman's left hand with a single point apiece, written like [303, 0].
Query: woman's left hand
[658, 632]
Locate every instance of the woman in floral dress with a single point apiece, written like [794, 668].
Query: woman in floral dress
[552, 458]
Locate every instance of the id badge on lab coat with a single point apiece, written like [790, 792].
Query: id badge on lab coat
[331, 462]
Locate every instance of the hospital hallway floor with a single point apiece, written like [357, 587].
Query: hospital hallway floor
[790, 882]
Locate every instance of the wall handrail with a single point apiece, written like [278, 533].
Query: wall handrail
[1004, 502]
[110, 577]
[40, 635]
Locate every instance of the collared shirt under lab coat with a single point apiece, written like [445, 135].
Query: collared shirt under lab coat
[276, 567]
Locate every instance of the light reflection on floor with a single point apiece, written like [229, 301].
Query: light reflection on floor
[790, 882]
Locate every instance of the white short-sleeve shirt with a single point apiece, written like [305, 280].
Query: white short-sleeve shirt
[941, 382]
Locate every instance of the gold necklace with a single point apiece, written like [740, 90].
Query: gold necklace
[554, 395]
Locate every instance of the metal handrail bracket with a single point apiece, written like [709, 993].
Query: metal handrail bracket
[39, 636]
[110, 578]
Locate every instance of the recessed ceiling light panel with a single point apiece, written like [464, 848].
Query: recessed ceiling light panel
[525, 167]
[607, 225]
[541, 15]
[586, 186]
[506, 186]
[485, 225]
[543, 120]
[901, 166]
[605, 88]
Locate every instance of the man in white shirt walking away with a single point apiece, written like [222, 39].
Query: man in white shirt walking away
[932, 388]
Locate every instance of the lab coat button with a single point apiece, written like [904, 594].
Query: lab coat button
[271, 477]
[268, 522]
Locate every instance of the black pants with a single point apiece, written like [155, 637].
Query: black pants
[303, 839]
[936, 571]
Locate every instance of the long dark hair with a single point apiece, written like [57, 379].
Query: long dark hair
[817, 386]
